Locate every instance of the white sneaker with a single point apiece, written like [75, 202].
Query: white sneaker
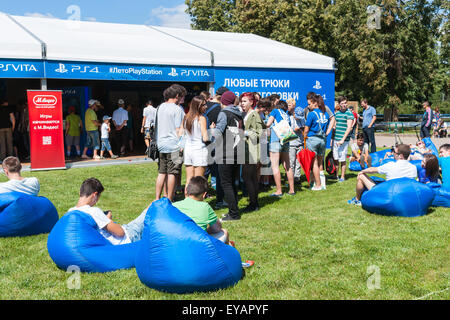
[316, 188]
[96, 158]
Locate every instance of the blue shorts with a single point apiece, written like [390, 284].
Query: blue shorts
[317, 145]
[277, 147]
[105, 144]
[92, 140]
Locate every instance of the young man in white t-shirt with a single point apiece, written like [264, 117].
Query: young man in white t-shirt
[148, 123]
[115, 233]
[401, 168]
[12, 167]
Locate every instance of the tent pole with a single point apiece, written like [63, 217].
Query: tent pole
[43, 84]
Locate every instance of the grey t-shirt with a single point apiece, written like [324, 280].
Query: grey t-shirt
[29, 186]
[169, 117]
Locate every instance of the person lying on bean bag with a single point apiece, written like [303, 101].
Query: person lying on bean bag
[12, 167]
[401, 168]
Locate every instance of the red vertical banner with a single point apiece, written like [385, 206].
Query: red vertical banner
[46, 129]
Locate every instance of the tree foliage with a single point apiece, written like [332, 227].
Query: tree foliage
[404, 61]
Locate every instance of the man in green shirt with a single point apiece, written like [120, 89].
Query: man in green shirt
[343, 127]
[91, 124]
[73, 131]
[199, 211]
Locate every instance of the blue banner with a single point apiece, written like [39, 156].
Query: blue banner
[288, 83]
[21, 69]
[103, 71]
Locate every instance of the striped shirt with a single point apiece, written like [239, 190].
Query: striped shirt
[341, 124]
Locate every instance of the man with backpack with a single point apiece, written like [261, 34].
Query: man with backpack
[214, 107]
[229, 140]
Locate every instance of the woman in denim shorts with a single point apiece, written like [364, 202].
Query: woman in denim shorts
[280, 153]
[318, 126]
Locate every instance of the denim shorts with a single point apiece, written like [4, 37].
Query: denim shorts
[92, 140]
[277, 147]
[105, 144]
[317, 145]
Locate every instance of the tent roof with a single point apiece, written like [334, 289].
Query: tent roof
[69, 40]
[85, 41]
[17, 43]
[249, 50]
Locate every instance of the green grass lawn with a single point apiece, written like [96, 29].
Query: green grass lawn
[309, 246]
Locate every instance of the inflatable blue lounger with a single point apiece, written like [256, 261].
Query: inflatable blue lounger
[403, 197]
[378, 157]
[25, 215]
[442, 195]
[76, 241]
[178, 256]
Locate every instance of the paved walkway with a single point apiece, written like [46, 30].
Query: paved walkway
[388, 140]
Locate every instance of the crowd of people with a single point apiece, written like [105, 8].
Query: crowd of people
[236, 142]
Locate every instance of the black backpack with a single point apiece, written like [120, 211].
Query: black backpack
[329, 163]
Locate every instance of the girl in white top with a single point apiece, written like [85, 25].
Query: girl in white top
[196, 134]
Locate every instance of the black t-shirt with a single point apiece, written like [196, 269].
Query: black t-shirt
[5, 121]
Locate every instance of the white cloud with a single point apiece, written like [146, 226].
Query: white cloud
[174, 17]
[40, 15]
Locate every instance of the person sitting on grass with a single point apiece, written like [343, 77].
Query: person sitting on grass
[360, 152]
[444, 163]
[12, 167]
[90, 192]
[430, 169]
[401, 168]
[201, 212]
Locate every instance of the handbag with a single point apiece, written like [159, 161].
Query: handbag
[283, 129]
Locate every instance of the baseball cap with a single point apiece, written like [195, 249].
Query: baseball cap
[92, 102]
[121, 101]
[222, 90]
[106, 118]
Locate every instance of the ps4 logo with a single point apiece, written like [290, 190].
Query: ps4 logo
[77, 68]
[317, 86]
[174, 73]
[62, 68]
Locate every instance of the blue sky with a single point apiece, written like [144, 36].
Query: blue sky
[168, 13]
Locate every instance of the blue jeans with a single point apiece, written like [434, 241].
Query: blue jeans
[105, 144]
[92, 140]
[135, 228]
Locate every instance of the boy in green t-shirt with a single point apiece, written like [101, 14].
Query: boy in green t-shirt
[200, 211]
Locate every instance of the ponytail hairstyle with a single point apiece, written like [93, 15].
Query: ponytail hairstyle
[318, 98]
[195, 110]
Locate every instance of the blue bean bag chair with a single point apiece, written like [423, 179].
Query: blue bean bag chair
[402, 197]
[25, 215]
[442, 195]
[430, 145]
[177, 256]
[377, 160]
[75, 241]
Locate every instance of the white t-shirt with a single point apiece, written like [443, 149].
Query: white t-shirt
[120, 116]
[355, 147]
[398, 169]
[150, 116]
[102, 221]
[29, 186]
[104, 131]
